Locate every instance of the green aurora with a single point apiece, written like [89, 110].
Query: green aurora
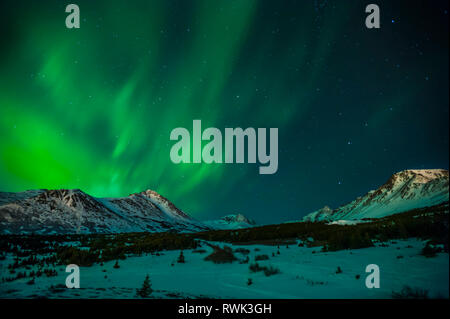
[93, 108]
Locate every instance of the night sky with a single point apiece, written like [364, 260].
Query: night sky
[93, 108]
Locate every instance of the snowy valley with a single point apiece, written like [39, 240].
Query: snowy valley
[402, 227]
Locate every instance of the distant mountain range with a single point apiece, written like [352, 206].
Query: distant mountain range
[237, 221]
[403, 191]
[73, 211]
[66, 211]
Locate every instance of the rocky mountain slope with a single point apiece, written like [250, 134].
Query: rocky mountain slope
[403, 191]
[73, 211]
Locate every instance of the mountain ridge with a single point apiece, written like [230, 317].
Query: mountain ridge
[405, 190]
[74, 211]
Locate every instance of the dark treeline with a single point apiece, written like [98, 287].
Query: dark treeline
[86, 249]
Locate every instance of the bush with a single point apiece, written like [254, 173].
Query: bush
[249, 281]
[410, 293]
[116, 265]
[269, 271]
[146, 289]
[255, 267]
[429, 250]
[221, 256]
[73, 255]
[261, 257]
[245, 261]
[347, 240]
[338, 270]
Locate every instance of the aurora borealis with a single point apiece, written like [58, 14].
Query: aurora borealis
[93, 108]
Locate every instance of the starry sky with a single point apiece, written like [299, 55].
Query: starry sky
[93, 108]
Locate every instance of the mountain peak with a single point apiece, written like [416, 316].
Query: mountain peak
[321, 214]
[419, 175]
[74, 211]
[164, 204]
[405, 190]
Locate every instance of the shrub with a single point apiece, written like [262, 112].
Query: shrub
[245, 261]
[429, 250]
[410, 293]
[261, 257]
[249, 281]
[338, 270]
[221, 256]
[255, 267]
[347, 240]
[73, 255]
[116, 265]
[269, 271]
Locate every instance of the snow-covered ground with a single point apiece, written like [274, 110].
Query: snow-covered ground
[304, 273]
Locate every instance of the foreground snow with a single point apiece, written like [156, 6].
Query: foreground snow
[305, 273]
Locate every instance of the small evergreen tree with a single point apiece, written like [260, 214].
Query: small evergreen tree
[116, 265]
[31, 281]
[181, 258]
[146, 289]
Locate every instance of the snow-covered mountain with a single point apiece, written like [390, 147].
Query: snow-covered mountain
[237, 221]
[404, 191]
[73, 211]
